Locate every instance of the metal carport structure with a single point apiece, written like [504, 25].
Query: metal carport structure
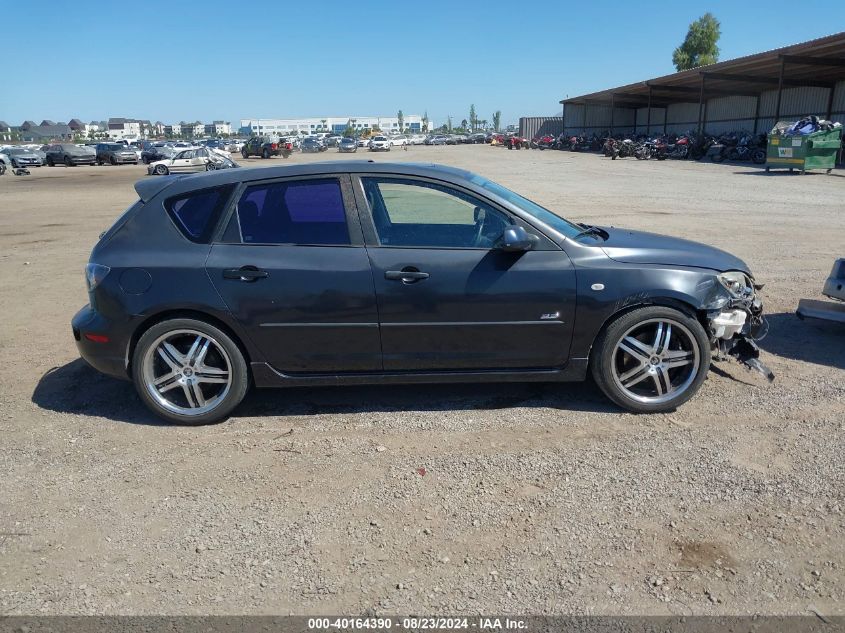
[751, 93]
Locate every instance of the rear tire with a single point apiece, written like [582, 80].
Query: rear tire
[50, 162]
[183, 403]
[644, 379]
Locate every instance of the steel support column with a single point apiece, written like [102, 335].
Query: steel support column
[780, 90]
[700, 104]
[756, 113]
[612, 111]
[830, 103]
[648, 114]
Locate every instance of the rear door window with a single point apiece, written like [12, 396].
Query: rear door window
[303, 212]
[195, 214]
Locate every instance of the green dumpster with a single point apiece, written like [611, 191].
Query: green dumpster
[809, 151]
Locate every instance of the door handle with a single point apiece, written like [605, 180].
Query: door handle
[407, 275]
[245, 273]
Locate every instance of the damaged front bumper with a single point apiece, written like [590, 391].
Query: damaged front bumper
[737, 325]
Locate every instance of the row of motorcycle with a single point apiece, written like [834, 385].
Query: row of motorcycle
[733, 146]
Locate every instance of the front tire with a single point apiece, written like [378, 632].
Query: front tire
[652, 359]
[189, 372]
[50, 162]
[161, 170]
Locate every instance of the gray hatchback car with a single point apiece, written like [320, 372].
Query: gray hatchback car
[115, 154]
[357, 272]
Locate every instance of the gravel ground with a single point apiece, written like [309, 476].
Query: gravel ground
[532, 499]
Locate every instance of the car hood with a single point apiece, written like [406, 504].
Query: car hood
[639, 247]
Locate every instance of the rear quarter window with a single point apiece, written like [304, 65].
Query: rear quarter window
[195, 214]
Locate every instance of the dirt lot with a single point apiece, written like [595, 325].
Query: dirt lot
[483, 498]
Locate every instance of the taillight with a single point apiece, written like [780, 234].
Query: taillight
[273, 146]
[94, 274]
[288, 146]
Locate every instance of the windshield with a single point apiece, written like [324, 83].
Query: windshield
[565, 227]
[17, 150]
[115, 147]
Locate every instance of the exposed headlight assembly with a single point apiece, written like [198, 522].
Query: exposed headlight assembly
[737, 283]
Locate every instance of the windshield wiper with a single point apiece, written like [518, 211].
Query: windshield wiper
[591, 230]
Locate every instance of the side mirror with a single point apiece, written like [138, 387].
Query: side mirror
[516, 239]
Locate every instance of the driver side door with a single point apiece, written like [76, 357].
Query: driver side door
[182, 161]
[448, 298]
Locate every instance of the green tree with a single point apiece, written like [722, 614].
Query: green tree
[497, 119]
[473, 117]
[464, 123]
[700, 45]
[425, 121]
[449, 123]
[401, 118]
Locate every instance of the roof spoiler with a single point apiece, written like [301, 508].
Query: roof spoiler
[148, 188]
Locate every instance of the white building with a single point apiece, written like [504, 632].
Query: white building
[120, 128]
[411, 123]
[216, 128]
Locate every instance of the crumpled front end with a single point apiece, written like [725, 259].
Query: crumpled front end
[734, 315]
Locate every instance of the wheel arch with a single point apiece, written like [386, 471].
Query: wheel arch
[682, 305]
[186, 313]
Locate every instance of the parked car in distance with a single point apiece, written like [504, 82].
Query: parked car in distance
[158, 152]
[363, 141]
[266, 147]
[332, 140]
[457, 279]
[115, 154]
[347, 144]
[437, 139]
[190, 160]
[379, 143]
[69, 155]
[478, 137]
[20, 157]
[312, 144]
[399, 140]
[417, 139]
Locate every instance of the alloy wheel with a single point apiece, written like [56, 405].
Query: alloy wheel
[656, 361]
[187, 372]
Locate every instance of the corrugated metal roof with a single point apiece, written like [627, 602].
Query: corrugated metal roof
[749, 75]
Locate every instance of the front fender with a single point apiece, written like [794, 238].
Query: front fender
[604, 293]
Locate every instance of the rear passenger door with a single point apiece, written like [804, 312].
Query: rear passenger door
[292, 268]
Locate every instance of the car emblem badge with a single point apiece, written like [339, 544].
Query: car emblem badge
[549, 315]
[597, 286]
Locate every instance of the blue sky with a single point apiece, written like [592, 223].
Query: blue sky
[228, 60]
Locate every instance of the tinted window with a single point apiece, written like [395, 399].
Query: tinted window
[422, 214]
[304, 212]
[195, 213]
